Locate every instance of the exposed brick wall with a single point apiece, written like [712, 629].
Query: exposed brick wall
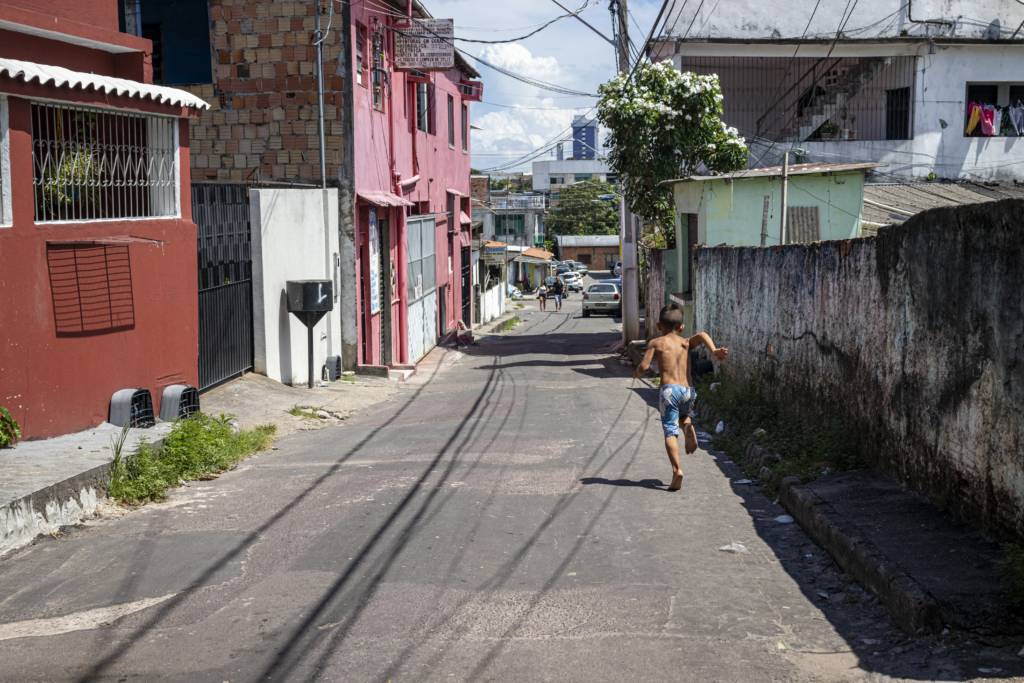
[596, 258]
[262, 121]
[915, 337]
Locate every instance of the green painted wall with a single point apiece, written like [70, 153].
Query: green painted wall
[729, 211]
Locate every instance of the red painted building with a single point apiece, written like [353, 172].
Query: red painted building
[412, 167]
[97, 243]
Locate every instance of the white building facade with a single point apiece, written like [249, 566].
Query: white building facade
[515, 219]
[551, 175]
[892, 82]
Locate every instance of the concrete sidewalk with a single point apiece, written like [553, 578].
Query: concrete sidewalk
[51, 483]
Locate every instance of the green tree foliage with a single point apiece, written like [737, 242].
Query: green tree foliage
[590, 207]
[665, 124]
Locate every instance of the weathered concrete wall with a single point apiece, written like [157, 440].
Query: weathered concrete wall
[289, 231]
[916, 335]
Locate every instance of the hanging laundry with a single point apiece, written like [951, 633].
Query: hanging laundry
[973, 117]
[988, 119]
[1017, 117]
[1005, 125]
[998, 121]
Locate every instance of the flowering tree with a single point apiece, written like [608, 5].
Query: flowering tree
[665, 124]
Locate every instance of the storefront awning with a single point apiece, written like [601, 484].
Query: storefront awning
[58, 76]
[464, 218]
[457, 193]
[383, 198]
[523, 258]
[539, 254]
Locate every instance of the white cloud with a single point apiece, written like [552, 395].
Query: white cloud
[516, 57]
[566, 53]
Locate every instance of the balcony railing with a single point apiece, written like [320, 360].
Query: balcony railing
[811, 99]
[519, 203]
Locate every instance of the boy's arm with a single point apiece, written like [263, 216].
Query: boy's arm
[703, 338]
[645, 364]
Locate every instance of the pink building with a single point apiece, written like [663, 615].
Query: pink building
[397, 147]
[411, 183]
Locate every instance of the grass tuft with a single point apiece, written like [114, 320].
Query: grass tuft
[307, 412]
[811, 441]
[508, 325]
[1013, 570]
[196, 447]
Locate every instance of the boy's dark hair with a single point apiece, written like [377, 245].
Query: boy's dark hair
[671, 317]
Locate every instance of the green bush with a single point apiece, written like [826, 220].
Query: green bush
[196, 447]
[10, 431]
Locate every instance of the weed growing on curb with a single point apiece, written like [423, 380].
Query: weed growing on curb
[509, 324]
[1013, 570]
[810, 444]
[307, 412]
[10, 431]
[195, 448]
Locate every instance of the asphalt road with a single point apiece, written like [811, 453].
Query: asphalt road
[503, 518]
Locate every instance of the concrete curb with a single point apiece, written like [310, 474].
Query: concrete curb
[913, 609]
[910, 605]
[488, 327]
[65, 503]
[46, 511]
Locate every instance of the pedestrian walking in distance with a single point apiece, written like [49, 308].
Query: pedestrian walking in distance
[676, 394]
[558, 289]
[542, 296]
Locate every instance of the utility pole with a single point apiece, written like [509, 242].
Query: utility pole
[330, 257]
[627, 223]
[319, 42]
[785, 196]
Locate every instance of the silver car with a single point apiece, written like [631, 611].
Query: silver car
[601, 297]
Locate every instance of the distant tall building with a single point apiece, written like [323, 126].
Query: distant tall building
[584, 138]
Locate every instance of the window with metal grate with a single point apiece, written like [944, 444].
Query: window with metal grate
[95, 164]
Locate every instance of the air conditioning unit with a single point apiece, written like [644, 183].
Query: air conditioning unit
[132, 408]
[178, 401]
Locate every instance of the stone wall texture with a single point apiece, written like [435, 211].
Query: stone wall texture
[916, 336]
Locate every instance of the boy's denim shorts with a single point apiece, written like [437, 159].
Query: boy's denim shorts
[674, 400]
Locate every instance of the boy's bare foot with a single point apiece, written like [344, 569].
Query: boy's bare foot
[689, 437]
[677, 482]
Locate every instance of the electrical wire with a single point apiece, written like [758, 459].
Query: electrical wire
[650, 34]
[851, 5]
[517, 106]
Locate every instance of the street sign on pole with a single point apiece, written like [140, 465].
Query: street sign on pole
[426, 45]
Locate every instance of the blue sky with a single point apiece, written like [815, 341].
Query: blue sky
[516, 117]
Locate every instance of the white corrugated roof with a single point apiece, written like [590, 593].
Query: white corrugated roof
[66, 78]
[770, 171]
[587, 240]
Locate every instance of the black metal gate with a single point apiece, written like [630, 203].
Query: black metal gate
[467, 286]
[221, 212]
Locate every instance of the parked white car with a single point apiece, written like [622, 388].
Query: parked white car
[572, 281]
[601, 297]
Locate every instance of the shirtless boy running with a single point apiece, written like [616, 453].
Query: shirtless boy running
[672, 352]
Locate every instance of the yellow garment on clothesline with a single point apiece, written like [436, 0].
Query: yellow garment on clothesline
[974, 119]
